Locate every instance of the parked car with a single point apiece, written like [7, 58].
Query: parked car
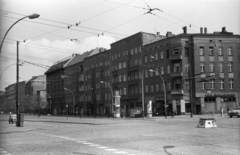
[12, 118]
[234, 112]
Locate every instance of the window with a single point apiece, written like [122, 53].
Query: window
[168, 69]
[162, 70]
[212, 83]
[136, 62]
[220, 65]
[220, 51]
[186, 52]
[211, 65]
[120, 78]
[177, 84]
[176, 67]
[230, 67]
[230, 85]
[201, 50]
[161, 54]
[135, 50]
[156, 71]
[202, 67]
[156, 56]
[124, 91]
[124, 64]
[120, 65]
[146, 73]
[140, 49]
[131, 52]
[187, 68]
[229, 49]
[157, 87]
[175, 51]
[145, 59]
[146, 89]
[167, 54]
[151, 89]
[150, 74]
[124, 77]
[187, 84]
[126, 52]
[221, 83]
[203, 85]
[169, 85]
[211, 51]
[140, 89]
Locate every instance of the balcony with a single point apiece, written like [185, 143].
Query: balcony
[177, 92]
[176, 74]
[114, 72]
[133, 82]
[175, 57]
[133, 68]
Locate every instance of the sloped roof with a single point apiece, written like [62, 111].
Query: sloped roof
[56, 66]
[78, 58]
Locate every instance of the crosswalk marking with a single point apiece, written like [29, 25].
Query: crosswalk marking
[120, 152]
[111, 149]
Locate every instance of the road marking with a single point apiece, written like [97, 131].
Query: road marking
[87, 143]
[120, 152]
[102, 147]
[94, 145]
[110, 149]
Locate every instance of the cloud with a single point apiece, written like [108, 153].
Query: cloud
[43, 52]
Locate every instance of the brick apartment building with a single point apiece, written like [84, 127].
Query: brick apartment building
[55, 87]
[209, 61]
[190, 64]
[74, 83]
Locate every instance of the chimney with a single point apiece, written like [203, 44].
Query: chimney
[169, 34]
[201, 30]
[205, 30]
[158, 33]
[224, 29]
[185, 30]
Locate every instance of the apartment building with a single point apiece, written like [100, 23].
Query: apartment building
[199, 70]
[35, 84]
[55, 87]
[98, 90]
[74, 83]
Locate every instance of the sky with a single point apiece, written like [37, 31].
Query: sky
[48, 39]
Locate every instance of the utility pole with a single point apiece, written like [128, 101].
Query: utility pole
[17, 93]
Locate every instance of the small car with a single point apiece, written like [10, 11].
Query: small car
[12, 118]
[234, 112]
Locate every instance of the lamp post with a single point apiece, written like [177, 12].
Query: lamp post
[111, 92]
[165, 95]
[73, 99]
[32, 16]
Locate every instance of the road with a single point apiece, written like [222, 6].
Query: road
[108, 136]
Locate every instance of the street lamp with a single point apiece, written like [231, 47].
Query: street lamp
[73, 99]
[165, 95]
[32, 16]
[111, 92]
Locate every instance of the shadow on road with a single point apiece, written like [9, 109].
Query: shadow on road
[168, 147]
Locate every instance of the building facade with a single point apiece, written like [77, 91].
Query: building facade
[199, 73]
[199, 70]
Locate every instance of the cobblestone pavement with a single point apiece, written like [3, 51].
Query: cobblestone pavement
[127, 136]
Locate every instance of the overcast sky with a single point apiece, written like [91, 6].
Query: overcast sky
[101, 22]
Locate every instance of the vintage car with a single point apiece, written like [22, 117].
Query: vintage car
[234, 112]
[12, 118]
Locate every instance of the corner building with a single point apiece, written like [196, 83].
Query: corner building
[126, 69]
[200, 71]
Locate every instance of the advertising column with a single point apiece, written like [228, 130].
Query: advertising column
[117, 104]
